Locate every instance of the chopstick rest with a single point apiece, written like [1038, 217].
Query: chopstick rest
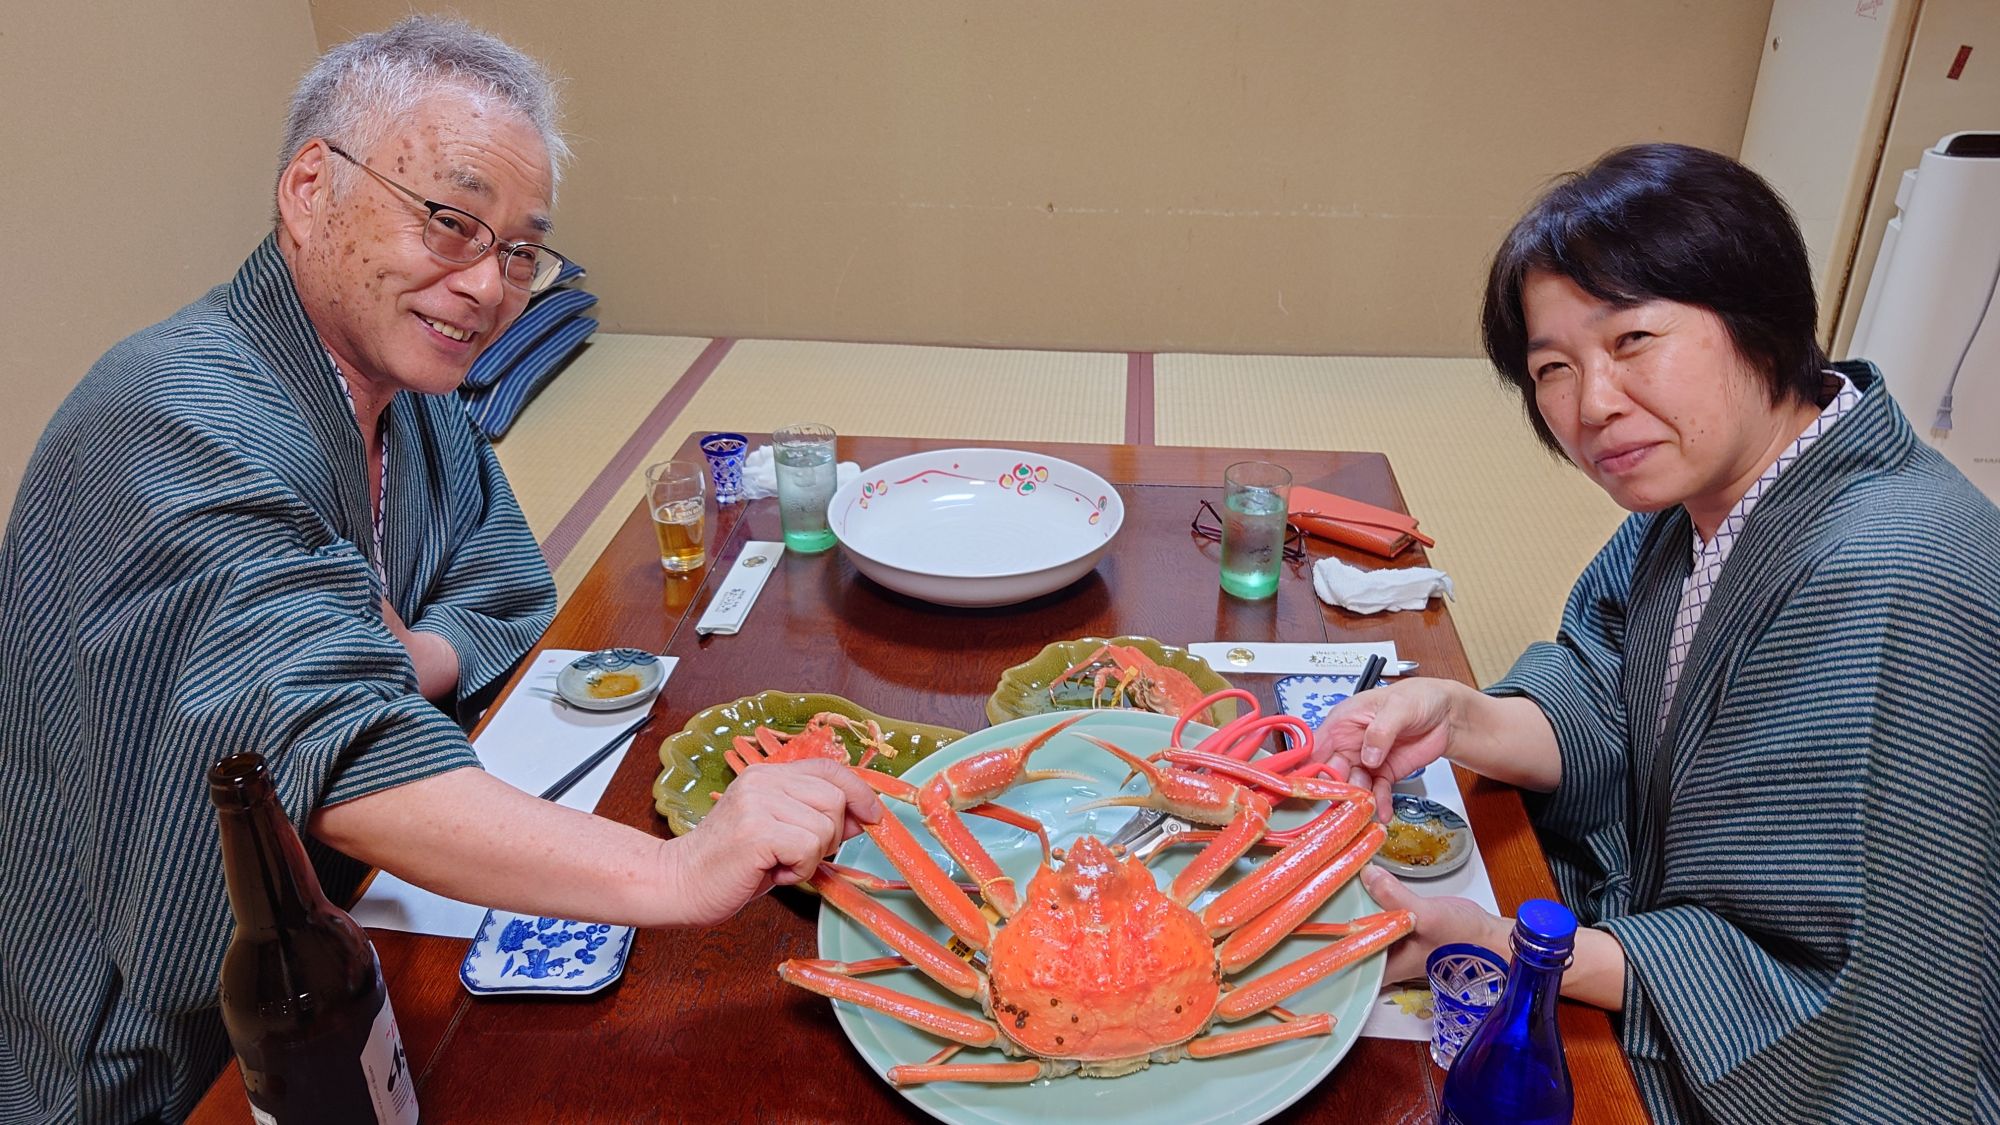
[740, 587]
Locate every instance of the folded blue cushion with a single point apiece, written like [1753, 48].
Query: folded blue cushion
[548, 310]
[493, 410]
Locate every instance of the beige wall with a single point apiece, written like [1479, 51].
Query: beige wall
[1822, 102]
[1256, 177]
[141, 144]
[1246, 176]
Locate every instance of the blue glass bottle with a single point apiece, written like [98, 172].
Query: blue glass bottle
[1513, 1069]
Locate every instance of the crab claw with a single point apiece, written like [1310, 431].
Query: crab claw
[973, 782]
[1177, 792]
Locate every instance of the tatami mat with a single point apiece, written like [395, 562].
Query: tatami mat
[1514, 526]
[563, 438]
[982, 394]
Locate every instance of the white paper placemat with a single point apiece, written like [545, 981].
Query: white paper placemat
[530, 743]
[1388, 1019]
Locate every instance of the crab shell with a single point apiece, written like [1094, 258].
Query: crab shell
[1100, 967]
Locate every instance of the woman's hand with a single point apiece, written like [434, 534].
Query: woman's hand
[1393, 731]
[1388, 732]
[1440, 921]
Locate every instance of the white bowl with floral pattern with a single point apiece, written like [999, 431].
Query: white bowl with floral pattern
[976, 527]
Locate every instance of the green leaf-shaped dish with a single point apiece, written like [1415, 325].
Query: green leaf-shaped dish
[1024, 688]
[696, 768]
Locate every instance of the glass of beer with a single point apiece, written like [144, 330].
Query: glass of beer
[674, 494]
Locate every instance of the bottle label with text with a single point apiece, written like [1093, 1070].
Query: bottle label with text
[387, 1069]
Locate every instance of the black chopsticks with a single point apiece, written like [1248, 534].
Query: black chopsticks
[1371, 673]
[584, 767]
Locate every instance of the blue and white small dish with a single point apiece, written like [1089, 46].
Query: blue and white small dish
[1311, 697]
[1426, 839]
[611, 679]
[522, 953]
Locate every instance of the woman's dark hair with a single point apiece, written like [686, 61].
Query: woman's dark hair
[1666, 221]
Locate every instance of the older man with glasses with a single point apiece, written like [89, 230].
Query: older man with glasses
[265, 525]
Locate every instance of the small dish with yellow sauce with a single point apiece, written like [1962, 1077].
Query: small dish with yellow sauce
[610, 679]
[1426, 839]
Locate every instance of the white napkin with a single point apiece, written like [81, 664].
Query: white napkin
[1372, 591]
[760, 473]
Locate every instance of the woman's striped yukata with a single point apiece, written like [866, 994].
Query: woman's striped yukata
[1801, 866]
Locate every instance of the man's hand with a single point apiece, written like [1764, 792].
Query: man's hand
[770, 828]
[435, 661]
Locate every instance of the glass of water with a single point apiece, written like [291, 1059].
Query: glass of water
[1255, 495]
[806, 476]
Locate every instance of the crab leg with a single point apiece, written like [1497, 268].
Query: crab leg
[932, 886]
[1283, 837]
[1283, 873]
[975, 781]
[875, 884]
[1229, 845]
[1265, 774]
[1230, 1042]
[1330, 929]
[909, 794]
[1255, 938]
[825, 978]
[1095, 655]
[1204, 800]
[1241, 739]
[918, 1074]
[1255, 995]
[899, 934]
[1207, 703]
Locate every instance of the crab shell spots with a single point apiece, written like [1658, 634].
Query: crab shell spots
[1100, 958]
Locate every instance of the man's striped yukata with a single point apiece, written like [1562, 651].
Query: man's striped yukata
[187, 574]
[1802, 866]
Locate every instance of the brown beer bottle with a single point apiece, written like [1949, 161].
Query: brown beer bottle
[302, 993]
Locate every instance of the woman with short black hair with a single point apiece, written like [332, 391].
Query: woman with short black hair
[1762, 750]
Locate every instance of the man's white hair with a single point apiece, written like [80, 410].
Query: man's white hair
[356, 92]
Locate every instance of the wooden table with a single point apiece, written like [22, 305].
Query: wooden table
[700, 1028]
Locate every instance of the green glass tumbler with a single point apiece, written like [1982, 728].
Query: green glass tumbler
[1255, 495]
[805, 463]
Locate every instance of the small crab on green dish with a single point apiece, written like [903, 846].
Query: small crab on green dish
[695, 762]
[1132, 672]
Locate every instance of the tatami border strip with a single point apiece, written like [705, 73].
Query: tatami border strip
[569, 531]
[1138, 398]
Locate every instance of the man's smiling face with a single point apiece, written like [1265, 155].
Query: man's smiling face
[395, 315]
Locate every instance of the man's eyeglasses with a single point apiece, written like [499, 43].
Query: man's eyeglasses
[1295, 537]
[462, 237]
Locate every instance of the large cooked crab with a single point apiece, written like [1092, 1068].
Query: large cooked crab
[1097, 969]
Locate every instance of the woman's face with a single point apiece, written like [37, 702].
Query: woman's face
[1652, 401]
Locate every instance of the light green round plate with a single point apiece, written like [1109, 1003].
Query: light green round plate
[1242, 1088]
[692, 758]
